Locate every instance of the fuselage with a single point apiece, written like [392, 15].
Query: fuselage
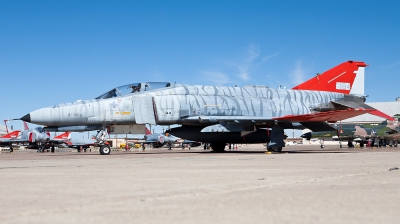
[176, 103]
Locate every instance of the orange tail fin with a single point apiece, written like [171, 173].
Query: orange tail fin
[347, 78]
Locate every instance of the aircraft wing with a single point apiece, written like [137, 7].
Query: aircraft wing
[10, 141]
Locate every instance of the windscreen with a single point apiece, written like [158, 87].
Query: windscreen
[133, 88]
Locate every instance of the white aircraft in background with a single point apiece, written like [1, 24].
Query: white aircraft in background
[36, 138]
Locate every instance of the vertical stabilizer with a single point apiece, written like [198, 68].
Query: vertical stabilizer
[13, 134]
[347, 78]
[63, 136]
[26, 126]
[148, 132]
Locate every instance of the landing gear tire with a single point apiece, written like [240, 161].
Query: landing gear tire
[218, 147]
[275, 149]
[322, 146]
[350, 144]
[105, 150]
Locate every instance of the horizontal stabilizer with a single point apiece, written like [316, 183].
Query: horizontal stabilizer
[357, 105]
[381, 114]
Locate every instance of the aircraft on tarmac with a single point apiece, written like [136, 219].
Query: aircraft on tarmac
[387, 132]
[156, 140]
[36, 138]
[217, 114]
[190, 143]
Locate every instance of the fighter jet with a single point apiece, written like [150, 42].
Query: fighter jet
[36, 138]
[381, 134]
[217, 114]
[157, 140]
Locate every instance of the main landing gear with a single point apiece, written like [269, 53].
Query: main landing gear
[277, 136]
[274, 149]
[101, 137]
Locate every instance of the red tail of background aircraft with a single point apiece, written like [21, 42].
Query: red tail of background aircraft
[64, 136]
[13, 134]
[148, 132]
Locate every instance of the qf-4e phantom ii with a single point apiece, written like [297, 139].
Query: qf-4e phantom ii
[217, 114]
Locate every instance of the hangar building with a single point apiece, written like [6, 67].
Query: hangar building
[390, 108]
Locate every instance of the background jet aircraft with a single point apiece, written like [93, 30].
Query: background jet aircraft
[159, 140]
[380, 134]
[190, 143]
[156, 140]
[36, 138]
[219, 114]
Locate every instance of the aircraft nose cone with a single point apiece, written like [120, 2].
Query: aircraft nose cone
[26, 118]
[306, 135]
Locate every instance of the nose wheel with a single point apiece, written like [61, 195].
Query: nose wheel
[105, 150]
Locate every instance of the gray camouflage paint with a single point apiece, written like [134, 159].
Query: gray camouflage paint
[179, 104]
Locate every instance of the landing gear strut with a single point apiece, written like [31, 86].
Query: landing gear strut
[322, 143]
[101, 137]
[350, 144]
[277, 136]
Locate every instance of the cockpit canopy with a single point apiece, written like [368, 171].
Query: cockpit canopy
[133, 88]
[39, 129]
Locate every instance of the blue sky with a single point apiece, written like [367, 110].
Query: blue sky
[61, 51]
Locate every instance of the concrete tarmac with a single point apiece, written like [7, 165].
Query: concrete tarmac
[305, 184]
